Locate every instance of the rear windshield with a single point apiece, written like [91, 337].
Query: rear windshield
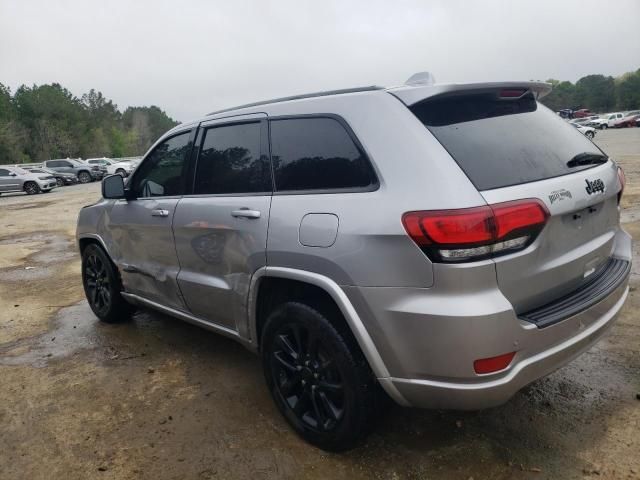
[500, 142]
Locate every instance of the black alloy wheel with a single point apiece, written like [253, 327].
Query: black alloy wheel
[102, 286]
[318, 377]
[97, 284]
[306, 379]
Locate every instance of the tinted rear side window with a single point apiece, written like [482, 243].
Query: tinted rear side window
[317, 154]
[230, 161]
[504, 142]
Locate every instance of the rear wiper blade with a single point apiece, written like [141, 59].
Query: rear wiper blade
[587, 158]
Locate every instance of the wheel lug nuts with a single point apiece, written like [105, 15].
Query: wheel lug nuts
[304, 382]
[315, 375]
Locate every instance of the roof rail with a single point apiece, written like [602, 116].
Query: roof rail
[298, 97]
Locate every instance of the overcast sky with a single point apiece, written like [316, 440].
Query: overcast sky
[192, 57]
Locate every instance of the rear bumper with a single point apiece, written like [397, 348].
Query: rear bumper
[492, 391]
[429, 338]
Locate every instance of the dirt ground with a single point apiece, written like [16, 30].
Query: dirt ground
[160, 399]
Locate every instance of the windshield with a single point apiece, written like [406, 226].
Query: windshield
[501, 142]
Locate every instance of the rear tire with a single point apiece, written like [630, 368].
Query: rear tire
[31, 188]
[84, 177]
[318, 377]
[102, 286]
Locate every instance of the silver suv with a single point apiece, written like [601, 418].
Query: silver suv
[444, 245]
[16, 179]
[86, 173]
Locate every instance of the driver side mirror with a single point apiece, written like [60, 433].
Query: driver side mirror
[13, 174]
[113, 187]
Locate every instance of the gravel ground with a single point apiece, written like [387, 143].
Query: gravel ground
[160, 399]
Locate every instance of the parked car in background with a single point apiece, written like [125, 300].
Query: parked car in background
[16, 179]
[588, 132]
[583, 112]
[601, 122]
[86, 173]
[565, 113]
[61, 178]
[112, 167]
[327, 244]
[589, 121]
[629, 120]
[581, 121]
[613, 118]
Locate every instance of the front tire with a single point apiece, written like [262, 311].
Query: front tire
[102, 286]
[318, 377]
[589, 135]
[121, 172]
[31, 188]
[59, 182]
[84, 177]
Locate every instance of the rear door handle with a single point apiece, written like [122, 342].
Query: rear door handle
[245, 213]
[159, 212]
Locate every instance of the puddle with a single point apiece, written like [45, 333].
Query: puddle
[55, 248]
[74, 329]
[24, 206]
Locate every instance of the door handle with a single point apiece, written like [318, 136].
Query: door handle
[245, 213]
[158, 212]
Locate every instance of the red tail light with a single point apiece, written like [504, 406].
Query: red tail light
[512, 92]
[476, 233]
[623, 182]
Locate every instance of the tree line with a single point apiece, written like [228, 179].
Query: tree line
[598, 93]
[47, 121]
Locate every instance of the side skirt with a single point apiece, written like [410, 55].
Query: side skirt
[227, 332]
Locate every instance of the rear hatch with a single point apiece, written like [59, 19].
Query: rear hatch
[511, 148]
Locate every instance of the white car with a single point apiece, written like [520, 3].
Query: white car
[601, 122]
[588, 132]
[613, 118]
[123, 168]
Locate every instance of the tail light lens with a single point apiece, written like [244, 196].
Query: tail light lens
[623, 182]
[476, 233]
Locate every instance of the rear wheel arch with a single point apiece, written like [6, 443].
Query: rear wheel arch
[275, 291]
[322, 291]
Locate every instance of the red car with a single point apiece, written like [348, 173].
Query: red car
[583, 112]
[631, 119]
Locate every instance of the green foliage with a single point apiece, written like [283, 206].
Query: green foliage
[597, 93]
[47, 121]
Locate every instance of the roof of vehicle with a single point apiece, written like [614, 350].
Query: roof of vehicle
[407, 93]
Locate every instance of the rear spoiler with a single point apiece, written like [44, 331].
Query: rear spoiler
[410, 95]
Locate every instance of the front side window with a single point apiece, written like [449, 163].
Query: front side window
[231, 161]
[317, 154]
[163, 171]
